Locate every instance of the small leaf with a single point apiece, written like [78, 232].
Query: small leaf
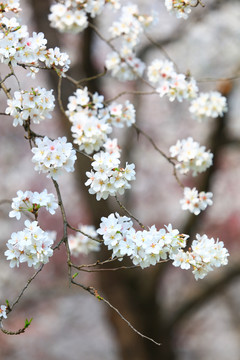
[27, 323]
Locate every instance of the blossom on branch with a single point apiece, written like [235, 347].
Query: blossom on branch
[17, 47]
[170, 83]
[52, 156]
[108, 178]
[71, 16]
[93, 120]
[180, 8]
[194, 201]
[206, 105]
[35, 105]
[146, 247]
[204, 254]
[191, 156]
[124, 64]
[3, 312]
[32, 202]
[32, 245]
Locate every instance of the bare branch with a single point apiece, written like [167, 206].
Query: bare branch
[94, 292]
[128, 212]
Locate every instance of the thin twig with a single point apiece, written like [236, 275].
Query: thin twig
[26, 286]
[108, 269]
[6, 91]
[83, 153]
[59, 93]
[65, 223]
[94, 292]
[128, 323]
[197, 3]
[157, 45]
[12, 71]
[83, 233]
[169, 159]
[94, 77]
[8, 332]
[97, 263]
[230, 78]
[128, 212]
[131, 93]
[6, 77]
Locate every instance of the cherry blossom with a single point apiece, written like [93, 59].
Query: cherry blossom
[194, 201]
[32, 202]
[32, 245]
[52, 156]
[3, 312]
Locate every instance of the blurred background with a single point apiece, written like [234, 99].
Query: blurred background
[192, 319]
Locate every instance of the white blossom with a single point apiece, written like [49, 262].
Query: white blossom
[194, 201]
[3, 312]
[206, 105]
[32, 245]
[179, 8]
[144, 247]
[108, 178]
[191, 156]
[35, 105]
[170, 83]
[204, 254]
[52, 156]
[93, 121]
[32, 202]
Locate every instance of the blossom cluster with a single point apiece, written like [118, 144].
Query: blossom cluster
[120, 115]
[181, 87]
[204, 254]
[72, 15]
[144, 247]
[92, 120]
[32, 202]
[17, 47]
[211, 104]
[179, 8]
[148, 247]
[195, 201]
[83, 244]
[9, 5]
[169, 82]
[107, 178]
[124, 65]
[35, 104]
[3, 312]
[90, 127]
[191, 156]
[32, 245]
[52, 156]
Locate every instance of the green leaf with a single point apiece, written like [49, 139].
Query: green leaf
[27, 323]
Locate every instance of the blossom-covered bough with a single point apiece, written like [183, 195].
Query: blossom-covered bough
[92, 121]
